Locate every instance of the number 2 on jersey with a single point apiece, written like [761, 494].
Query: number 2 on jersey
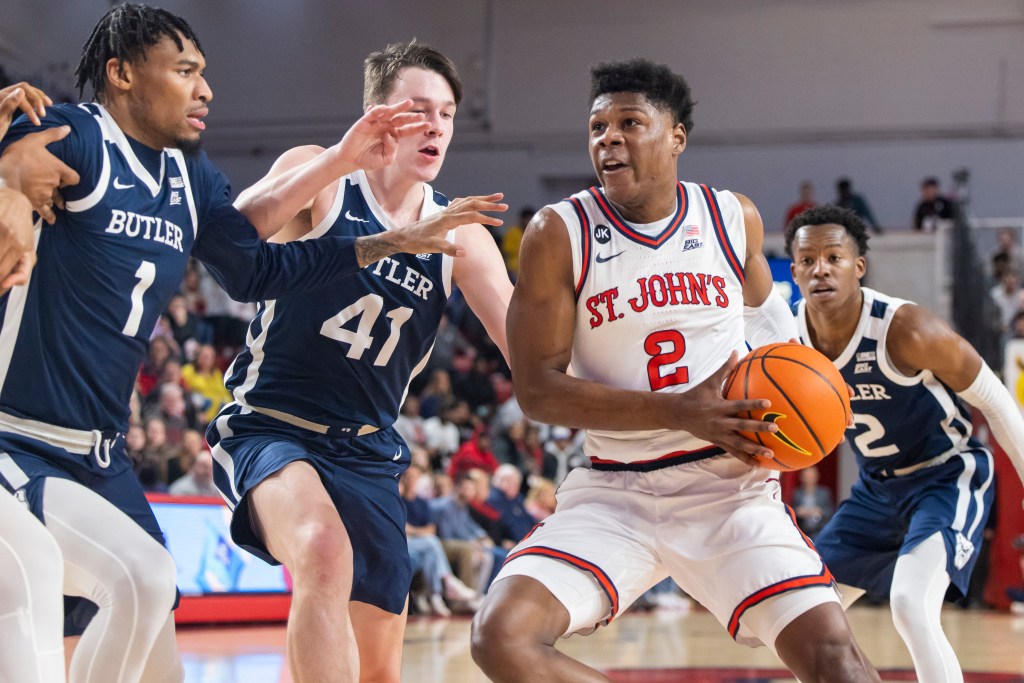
[665, 347]
[146, 274]
[367, 309]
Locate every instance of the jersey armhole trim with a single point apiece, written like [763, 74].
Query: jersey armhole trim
[720, 232]
[585, 249]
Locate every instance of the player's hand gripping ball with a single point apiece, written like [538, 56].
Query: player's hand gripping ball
[810, 402]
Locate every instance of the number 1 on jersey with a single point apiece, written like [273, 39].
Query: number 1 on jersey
[665, 347]
[367, 309]
[146, 274]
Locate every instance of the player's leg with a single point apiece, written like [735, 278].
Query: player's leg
[379, 637]
[31, 609]
[297, 520]
[918, 590]
[164, 663]
[818, 645]
[515, 632]
[110, 560]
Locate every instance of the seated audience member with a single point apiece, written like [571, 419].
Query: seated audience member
[192, 444]
[436, 394]
[409, 423]
[176, 413]
[505, 497]
[932, 207]
[812, 503]
[561, 453]
[474, 454]
[160, 350]
[187, 328]
[428, 555]
[198, 481]
[443, 431]
[204, 379]
[540, 500]
[805, 202]
[467, 545]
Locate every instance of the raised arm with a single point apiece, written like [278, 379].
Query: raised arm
[919, 340]
[301, 174]
[766, 315]
[541, 327]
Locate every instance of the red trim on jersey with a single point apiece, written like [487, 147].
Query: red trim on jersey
[682, 206]
[584, 243]
[720, 232]
[674, 454]
[824, 578]
[602, 579]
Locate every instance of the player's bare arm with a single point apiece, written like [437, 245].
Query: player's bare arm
[298, 177]
[430, 235]
[482, 278]
[541, 328]
[920, 340]
[766, 315]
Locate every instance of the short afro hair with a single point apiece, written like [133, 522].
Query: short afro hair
[662, 88]
[829, 214]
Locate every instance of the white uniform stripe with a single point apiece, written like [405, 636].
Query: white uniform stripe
[12, 318]
[10, 471]
[112, 132]
[223, 458]
[963, 485]
[183, 169]
[256, 348]
[979, 496]
[94, 197]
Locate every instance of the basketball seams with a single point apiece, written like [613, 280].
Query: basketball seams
[785, 395]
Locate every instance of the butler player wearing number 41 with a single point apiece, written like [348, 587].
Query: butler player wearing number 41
[914, 519]
[652, 330]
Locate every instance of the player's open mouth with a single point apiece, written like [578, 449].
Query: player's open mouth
[611, 166]
[196, 118]
[822, 291]
[431, 151]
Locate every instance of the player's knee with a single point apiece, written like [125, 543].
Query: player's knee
[497, 637]
[153, 576]
[320, 551]
[907, 610]
[380, 671]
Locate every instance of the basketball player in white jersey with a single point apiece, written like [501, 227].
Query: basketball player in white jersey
[914, 520]
[31, 567]
[644, 283]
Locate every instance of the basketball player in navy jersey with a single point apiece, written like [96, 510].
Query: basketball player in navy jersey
[650, 286]
[914, 520]
[72, 339]
[307, 455]
[31, 567]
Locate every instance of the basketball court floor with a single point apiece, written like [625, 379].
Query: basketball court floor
[654, 647]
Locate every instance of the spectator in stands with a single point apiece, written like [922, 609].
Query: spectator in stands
[561, 454]
[513, 446]
[474, 454]
[812, 503]
[846, 199]
[174, 411]
[160, 350]
[805, 202]
[409, 423]
[512, 239]
[1007, 256]
[445, 431]
[227, 319]
[188, 330]
[135, 442]
[192, 444]
[191, 289]
[448, 343]
[198, 481]
[540, 500]
[507, 500]
[932, 207]
[1007, 296]
[467, 545]
[204, 379]
[428, 555]
[437, 392]
[151, 469]
[474, 385]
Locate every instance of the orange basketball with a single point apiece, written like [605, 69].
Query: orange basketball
[810, 402]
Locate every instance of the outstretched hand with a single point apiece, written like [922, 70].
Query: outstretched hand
[372, 141]
[714, 418]
[28, 167]
[31, 100]
[430, 235]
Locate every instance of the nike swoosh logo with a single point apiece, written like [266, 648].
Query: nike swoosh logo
[118, 185]
[349, 216]
[604, 259]
[398, 454]
[774, 418]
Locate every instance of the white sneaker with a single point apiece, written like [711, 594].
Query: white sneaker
[438, 606]
[421, 605]
[456, 591]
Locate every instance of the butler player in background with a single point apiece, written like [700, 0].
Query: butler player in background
[914, 519]
[651, 286]
[73, 337]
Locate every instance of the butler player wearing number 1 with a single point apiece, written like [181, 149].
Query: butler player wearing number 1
[650, 285]
[914, 520]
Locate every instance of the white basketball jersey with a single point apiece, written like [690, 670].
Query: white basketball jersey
[659, 307]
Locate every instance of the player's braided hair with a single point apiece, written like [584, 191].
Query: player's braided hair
[829, 214]
[124, 33]
[666, 90]
[380, 69]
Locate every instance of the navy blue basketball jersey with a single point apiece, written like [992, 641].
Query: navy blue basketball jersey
[341, 358]
[72, 339]
[900, 422]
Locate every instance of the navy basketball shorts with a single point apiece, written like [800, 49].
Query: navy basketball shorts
[359, 473]
[887, 517]
[26, 463]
